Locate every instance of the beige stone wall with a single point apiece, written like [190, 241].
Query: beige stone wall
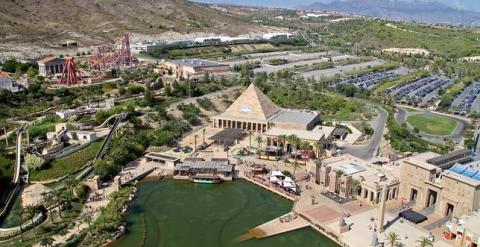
[463, 196]
[412, 176]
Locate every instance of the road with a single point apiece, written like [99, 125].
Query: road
[456, 136]
[317, 74]
[368, 151]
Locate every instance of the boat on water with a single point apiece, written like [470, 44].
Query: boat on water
[207, 179]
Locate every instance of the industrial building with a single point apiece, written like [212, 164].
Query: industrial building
[193, 69]
[50, 65]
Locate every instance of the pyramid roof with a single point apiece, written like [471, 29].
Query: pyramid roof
[252, 104]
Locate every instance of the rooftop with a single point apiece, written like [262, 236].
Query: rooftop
[446, 158]
[161, 156]
[251, 104]
[302, 134]
[361, 170]
[47, 59]
[227, 135]
[467, 172]
[303, 117]
[3, 75]
[197, 63]
[471, 222]
[420, 160]
[220, 166]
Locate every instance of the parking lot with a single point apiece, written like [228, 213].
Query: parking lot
[468, 100]
[422, 91]
[369, 80]
[317, 74]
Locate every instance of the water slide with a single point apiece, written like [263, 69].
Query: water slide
[105, 123]
[8, 198]
[103, 148]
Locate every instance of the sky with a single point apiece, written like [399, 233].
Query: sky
[460, 4]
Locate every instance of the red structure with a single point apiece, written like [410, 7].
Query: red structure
[70, 74]
[116, 57]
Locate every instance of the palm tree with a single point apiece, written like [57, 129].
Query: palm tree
[250, 133]
[195, 142]
[304, 146]
[49, 200]
[19, 214]
[59, 198]
[259, 140]
[294, 142]
[318, 163]
[295, 165]
[424, 242]
[103, 211]
[354, 185]
[71, 185]
[88, 218]
[46, 241]
[393, 238]
[284, 139]
[114, 197]
[30, 212]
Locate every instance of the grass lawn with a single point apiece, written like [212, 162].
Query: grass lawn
[432, 124]
[67, 165]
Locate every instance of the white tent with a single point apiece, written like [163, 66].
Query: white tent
[278, 174]
[277, 177]
[288, 183]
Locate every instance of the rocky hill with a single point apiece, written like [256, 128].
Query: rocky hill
[47, 23]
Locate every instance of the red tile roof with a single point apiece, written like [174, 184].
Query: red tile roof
[47, 59]
[3, 74]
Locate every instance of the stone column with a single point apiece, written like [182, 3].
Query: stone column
[381, 217]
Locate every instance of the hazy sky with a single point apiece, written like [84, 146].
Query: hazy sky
[461, 4]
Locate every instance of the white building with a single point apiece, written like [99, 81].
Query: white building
[7, 83]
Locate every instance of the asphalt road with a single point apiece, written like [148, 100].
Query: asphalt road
[368, 151]
[456, 136]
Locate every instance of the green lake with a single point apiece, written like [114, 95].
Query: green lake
[173, 213]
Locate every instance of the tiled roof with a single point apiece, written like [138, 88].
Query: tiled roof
[47, 59]
[3, 74]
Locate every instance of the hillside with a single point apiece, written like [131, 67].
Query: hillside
[425, 12]
[50, 22]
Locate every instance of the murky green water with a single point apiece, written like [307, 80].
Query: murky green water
[172, 213]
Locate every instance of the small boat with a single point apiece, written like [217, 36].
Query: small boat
[207, 179]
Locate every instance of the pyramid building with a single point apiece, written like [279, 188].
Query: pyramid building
[254, 111]
[250, 111]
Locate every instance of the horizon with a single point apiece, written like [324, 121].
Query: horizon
[472, 5]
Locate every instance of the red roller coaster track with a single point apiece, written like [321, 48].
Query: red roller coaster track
[70, 74]
[118, 57]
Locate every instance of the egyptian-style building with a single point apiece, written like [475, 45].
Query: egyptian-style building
[254, 111]
[439, 184]
[251, 111]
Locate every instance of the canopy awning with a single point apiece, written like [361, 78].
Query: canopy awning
[413, 216]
